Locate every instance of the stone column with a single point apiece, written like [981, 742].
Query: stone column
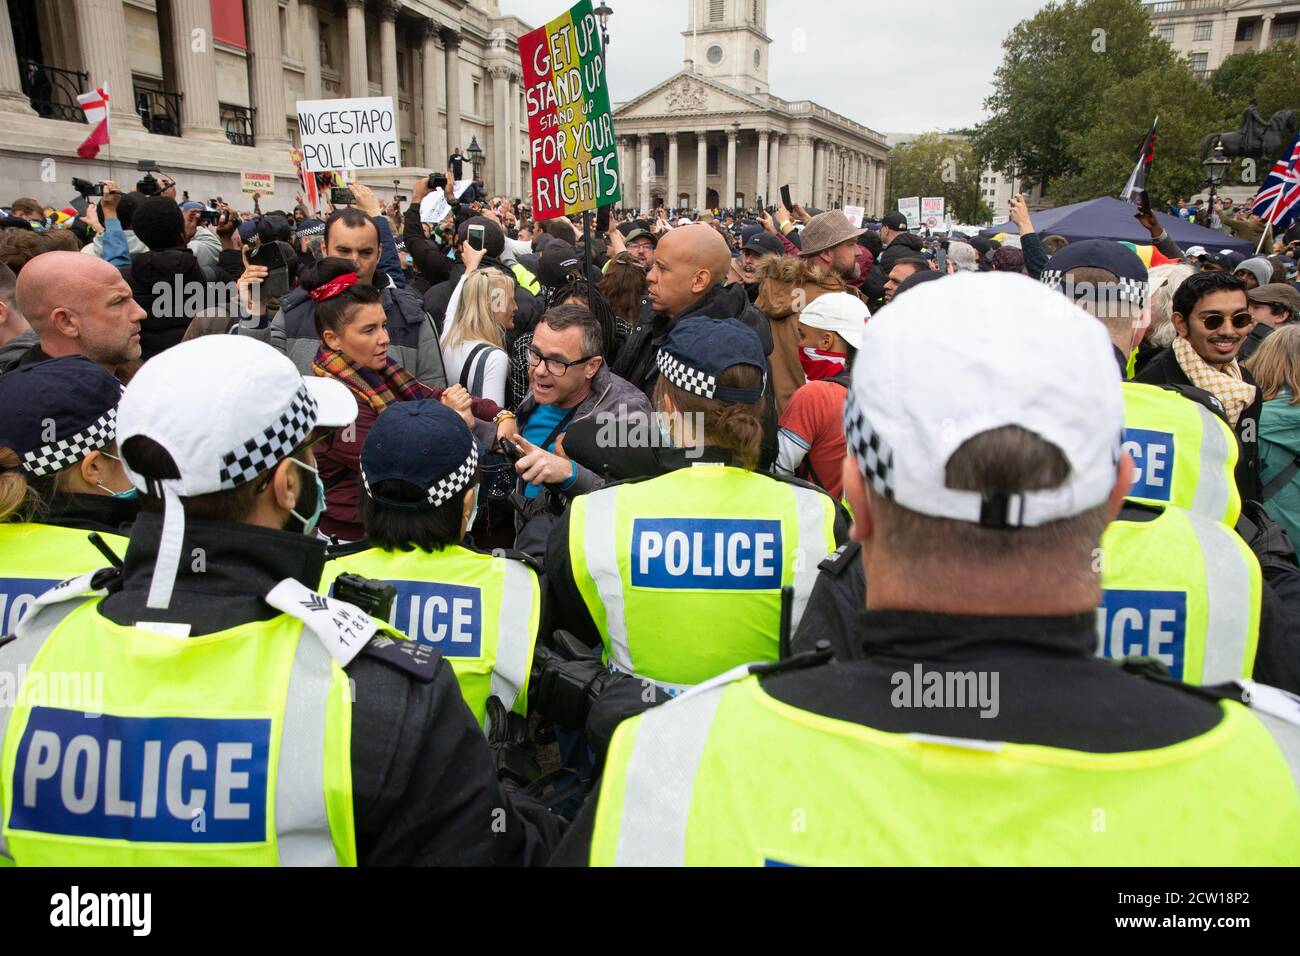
[451, 43]
[520, 183]
[624, 171]
[388, 10]
[804, 162]
[310, 18]
[645, 169]
[12, 99]
[267, 75]
[880, 188]
[501, 120]
[101, 35]
[760, 167]
[671, 201]
[434, 158]
[729, 200]
[701, 170]
[358, 75]
[774, 169]
[1265, 31]
[819, 175]
[196, 72]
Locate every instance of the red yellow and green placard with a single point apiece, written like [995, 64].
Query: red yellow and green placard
[570, 130]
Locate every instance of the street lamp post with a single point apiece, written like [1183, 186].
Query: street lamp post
[1215, 168]
[475, 154]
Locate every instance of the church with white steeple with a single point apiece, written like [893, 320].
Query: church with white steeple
[713, 135]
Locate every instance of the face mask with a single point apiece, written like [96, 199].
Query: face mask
[129, 495]
[309, 524]
[819, 365]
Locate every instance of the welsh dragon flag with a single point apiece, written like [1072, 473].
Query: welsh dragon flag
[96, 106]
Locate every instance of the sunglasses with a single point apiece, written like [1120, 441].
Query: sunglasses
[1241, 320]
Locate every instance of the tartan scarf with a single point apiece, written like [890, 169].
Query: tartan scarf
[396, 383]
[1224, 382]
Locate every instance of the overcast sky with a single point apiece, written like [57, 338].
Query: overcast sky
[897, 67]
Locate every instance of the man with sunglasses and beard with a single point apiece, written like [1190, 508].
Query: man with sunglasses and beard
[1212, 318]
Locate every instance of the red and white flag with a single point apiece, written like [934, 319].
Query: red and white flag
[96, 106]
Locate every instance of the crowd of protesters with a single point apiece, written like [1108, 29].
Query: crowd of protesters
[504, 385]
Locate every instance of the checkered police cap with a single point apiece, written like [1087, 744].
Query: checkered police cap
[422, 444]
[869, 448]
[54, 457]
[272, 445]
[698, 351]
[1113, 257]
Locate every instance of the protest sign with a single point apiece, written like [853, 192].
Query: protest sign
[263, 183]
[932, 211]
[911, 209]
[570, 130]
[434, 206]
[855, 214]
[358, 133]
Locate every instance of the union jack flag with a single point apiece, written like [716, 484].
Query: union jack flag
[1278, 200]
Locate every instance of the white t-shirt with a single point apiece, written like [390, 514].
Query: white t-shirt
[495, 374]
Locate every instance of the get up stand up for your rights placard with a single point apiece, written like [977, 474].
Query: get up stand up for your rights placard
[571, 133]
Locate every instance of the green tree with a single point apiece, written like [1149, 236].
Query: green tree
[1107, 150]
[1050, 90]
[936, 165]
[1271, 76]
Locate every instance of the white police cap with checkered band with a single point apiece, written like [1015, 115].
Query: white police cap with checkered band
[225, 408]
[973, 353]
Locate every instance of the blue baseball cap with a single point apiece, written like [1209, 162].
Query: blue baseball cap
[698, 350]
[423, 444]
[57, 412]
[1117, 259]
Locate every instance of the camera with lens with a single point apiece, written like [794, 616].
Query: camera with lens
[86, 188]
[148, 185]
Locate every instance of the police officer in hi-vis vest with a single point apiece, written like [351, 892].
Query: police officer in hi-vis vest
[419, 466]
[680, 576]
[61, 479]
[979, 723]
[235, 715]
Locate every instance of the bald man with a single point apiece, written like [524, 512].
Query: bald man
[79, 305]
[686, 282]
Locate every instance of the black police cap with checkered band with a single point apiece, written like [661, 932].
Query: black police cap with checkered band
[58, 411]
[424, 444]
[698, 350]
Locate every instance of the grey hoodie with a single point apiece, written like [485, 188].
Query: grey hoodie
[16, 347]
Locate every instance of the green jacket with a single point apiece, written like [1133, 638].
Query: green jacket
[1279, 445]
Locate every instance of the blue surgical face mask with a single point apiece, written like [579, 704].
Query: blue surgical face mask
[665, 436]
[309, 524]
[473, 513]
[129, 495]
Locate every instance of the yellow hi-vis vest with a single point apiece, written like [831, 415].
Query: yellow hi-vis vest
[1183, 589]
[682, 574]
[726, 775]
[36, 557]
[1184, 454]
[526, 279]
[481, 611]
[126, 746]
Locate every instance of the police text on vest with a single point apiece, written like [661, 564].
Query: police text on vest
[714, 554]
[147, 779]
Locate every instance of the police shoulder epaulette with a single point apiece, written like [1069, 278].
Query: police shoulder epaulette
[510, 554]
[418, 660]
[821, 654]
[841, 559]
[333, 551]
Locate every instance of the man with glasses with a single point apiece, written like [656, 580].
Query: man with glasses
[1211, 317]
[569, 381]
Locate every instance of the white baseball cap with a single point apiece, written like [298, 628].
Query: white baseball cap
[839, 312]
[976, 352]
[225, 408]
